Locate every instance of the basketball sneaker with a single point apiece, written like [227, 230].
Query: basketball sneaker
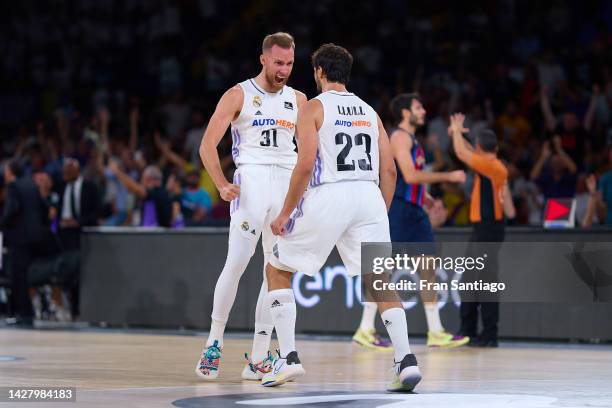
[284, 369]
[255, 371]
[208, 365]
[371, 340]
[406, 374]
[445, 340]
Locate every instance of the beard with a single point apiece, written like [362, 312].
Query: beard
[417, 122]
[276, 82]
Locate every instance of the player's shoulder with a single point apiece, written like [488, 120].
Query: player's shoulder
[368, 108]
[312, 109]
[314, 105]
[233, 97]
[300, 98]
[398, 135]
[300, 94]
[361, 101]
[235, 91]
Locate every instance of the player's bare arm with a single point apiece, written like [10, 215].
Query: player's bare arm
[401, 145]
[463, 152]
[388, 174]
[227, 109]
[309, 121]
[301, 99]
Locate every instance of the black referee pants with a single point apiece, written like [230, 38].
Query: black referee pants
[487, 304]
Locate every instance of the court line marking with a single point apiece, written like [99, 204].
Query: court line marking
[318, 385]
[256, 386]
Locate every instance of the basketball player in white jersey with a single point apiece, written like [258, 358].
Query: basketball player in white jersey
[262, 112]
[345, 160]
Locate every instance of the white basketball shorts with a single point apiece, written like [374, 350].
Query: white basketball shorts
[344, 214]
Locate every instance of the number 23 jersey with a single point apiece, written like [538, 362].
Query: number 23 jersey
[348, 140]
[264, 131]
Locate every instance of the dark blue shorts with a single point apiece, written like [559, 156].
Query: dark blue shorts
[410, 223]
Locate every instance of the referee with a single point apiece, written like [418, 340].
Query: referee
[490, 200]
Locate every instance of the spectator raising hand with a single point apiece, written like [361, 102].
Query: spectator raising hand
[555, 171]
[156, 204]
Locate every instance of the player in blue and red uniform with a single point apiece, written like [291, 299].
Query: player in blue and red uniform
[407, 218]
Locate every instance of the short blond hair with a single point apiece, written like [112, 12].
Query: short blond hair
[283, 40]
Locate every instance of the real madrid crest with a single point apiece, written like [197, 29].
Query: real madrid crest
[257, 102]
[245, 224]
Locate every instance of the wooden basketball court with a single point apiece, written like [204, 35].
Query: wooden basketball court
[122, 369]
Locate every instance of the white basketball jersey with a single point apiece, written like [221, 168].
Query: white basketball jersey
[264, 131]
[348, 140]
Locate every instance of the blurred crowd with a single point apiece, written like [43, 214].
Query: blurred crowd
[125, 89]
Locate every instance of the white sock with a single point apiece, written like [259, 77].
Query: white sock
[282, 308]
[368, 315]
[432, 314]
[239, 252]
[217, 327]
[261, 342]
[395, 322]
[263, 322]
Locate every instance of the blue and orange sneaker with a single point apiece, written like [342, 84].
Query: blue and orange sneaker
[445, 340]
[208, 365]
[371, 340]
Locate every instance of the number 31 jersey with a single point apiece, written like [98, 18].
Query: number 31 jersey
[264, 131]
[348, 140]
